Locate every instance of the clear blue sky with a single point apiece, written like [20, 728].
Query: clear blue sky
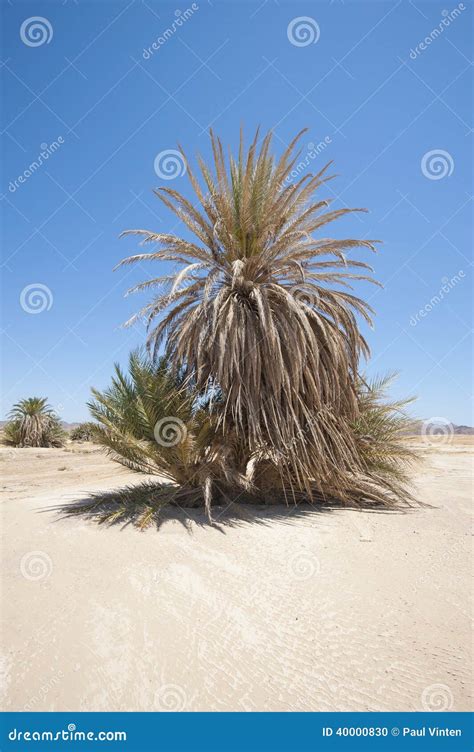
[380, 108]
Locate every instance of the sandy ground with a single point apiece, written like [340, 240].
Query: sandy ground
[339, 610]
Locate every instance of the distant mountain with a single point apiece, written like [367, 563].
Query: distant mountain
[464, 430]
[429, 426]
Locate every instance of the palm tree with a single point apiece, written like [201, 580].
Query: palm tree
[33, 423]
[153, 422]
[150, 421]
[262, 310]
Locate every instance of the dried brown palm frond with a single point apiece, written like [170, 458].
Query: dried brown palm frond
[263, 307]
[382, 473]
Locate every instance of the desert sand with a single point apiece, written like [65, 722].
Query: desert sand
[337, 610]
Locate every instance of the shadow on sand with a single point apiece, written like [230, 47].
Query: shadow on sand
[151, 504]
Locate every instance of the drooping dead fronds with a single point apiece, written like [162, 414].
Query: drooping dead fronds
[262, 306]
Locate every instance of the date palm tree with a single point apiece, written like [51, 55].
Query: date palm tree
[33, 423]
[150, 421]
[261, 309]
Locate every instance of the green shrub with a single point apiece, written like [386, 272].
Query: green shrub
[83, 432]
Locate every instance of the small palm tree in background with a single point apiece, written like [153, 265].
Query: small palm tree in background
[33, 423]
[259, 324]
